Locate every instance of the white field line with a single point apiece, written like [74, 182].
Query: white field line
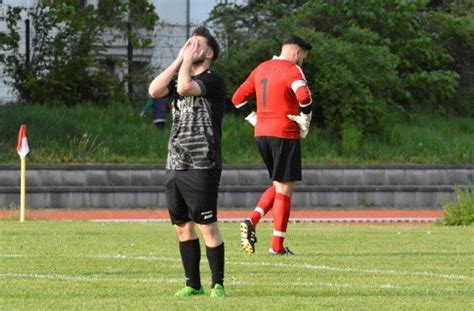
[130, 220]
[285, 265]
[299, 220]
[89, 278]
[303, 266]
[295, 220]
[81, 277]
[356, 270]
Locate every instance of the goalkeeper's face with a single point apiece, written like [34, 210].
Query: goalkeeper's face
[301, 56]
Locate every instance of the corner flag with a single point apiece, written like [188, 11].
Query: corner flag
[22, 147]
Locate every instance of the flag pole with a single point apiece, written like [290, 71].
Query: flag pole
[22, 149]
[23, 189]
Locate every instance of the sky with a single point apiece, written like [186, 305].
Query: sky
[168, 10]
[175, 10]
[200, 10]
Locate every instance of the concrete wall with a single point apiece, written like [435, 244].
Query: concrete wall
[323, 186]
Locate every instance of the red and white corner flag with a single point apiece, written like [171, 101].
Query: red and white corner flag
[22, 147]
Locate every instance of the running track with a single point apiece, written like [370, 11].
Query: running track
[232, 216]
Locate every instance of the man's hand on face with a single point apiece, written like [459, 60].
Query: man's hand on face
[193, 50]
[183, 48]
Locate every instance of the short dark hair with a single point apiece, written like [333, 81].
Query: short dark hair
[299, 42]
[202, 31]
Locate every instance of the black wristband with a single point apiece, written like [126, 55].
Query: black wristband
[306, 109]
[245, 110]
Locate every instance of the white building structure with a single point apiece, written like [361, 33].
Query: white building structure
[168, 36]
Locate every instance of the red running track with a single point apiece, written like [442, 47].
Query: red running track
[311, 216]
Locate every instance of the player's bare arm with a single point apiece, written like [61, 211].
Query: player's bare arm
[194, 52]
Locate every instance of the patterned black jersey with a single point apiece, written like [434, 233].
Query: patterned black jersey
[195, 138]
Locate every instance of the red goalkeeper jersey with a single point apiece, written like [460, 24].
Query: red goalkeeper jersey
[280, 88]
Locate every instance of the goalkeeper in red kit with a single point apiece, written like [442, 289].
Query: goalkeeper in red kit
[283, 102]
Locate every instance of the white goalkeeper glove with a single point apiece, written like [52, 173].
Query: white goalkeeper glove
[303, 121]
[252, 118]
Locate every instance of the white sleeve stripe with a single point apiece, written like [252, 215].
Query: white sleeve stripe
[241, 104]
[297, 84]
[310, 102]
[301, 71]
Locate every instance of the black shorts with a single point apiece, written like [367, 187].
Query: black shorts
[281, 156]
[192, 195]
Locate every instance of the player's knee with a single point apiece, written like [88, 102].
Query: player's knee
[211, 234]
[285, 188]
[185, 231]
[209, 230]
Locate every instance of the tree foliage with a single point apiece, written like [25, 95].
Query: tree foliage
[371, 59]
[68, 63]
[454, 25]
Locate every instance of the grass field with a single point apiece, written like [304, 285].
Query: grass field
[136, 266]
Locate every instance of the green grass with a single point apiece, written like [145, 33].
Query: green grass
[136, 266]
[82, 134]
[116, 134]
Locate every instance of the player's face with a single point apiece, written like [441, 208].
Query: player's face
[301, 56]
[204, 48]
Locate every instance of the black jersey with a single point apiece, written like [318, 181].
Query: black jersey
[195, 138]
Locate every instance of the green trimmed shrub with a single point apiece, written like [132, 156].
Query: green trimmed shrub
[461, 211]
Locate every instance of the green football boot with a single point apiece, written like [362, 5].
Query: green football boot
[217, 291]
[188, 291]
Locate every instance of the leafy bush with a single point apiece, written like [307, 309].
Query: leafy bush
[386, 55]
[457, 34]
[372, 60]
[352, 82]
[460, 212]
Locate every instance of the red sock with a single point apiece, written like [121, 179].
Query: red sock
[263, 206]
[281, 214]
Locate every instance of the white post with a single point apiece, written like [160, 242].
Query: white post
[23, 190]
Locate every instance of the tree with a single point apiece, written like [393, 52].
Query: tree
[423, 79]
[371, 59]
[68, 62]
[453, 21]
[140, 16]
[237, 23]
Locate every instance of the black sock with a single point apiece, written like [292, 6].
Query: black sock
[215, 256]
[191, 256]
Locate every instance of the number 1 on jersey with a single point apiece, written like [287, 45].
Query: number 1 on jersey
[264, 82]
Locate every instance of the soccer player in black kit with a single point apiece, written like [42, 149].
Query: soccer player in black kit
[194, 156]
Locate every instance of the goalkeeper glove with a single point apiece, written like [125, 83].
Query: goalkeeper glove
[303, 121]
[252, 118]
